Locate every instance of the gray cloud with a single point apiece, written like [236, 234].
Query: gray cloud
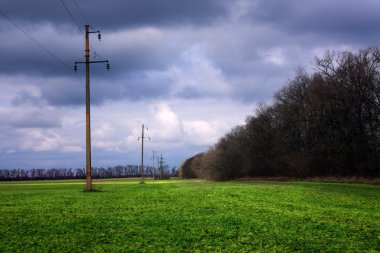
[25, 98]
[64, 93]
[143, 86]
[341, 20]
[35, 119]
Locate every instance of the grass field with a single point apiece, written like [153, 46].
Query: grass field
[189, 216]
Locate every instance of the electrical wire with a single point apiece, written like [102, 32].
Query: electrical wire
[71, 16]
[81, 13]
[34, 40]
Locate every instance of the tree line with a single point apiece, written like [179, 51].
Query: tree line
[325, 123]
[162, 172]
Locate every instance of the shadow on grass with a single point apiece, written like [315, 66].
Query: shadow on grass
[95, 189]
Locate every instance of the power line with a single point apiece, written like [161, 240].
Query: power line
[71, 16]
[34, 40]
[81, 13]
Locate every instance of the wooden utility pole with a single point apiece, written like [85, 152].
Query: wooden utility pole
[88, 104]
[142, 152]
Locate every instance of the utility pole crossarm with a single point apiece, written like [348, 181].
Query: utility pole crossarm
[77, 62]
[85, 62]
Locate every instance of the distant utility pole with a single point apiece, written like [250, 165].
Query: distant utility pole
[142, 152]
[88, 118]
[161, 166]
[154, 170]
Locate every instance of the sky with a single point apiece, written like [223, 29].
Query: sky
[188, 70]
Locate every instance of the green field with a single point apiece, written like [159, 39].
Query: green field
[189, 216]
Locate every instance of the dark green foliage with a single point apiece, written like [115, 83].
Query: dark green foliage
[321, 124]
[189, 216]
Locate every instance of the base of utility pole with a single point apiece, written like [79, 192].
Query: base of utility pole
[88, 184]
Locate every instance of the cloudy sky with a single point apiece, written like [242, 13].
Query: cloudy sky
[188, 70]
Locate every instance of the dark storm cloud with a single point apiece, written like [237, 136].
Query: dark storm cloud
[159, 12]
[32, 63]
[38, 11]
[339, 19]
[116, 14]
[52, 53]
